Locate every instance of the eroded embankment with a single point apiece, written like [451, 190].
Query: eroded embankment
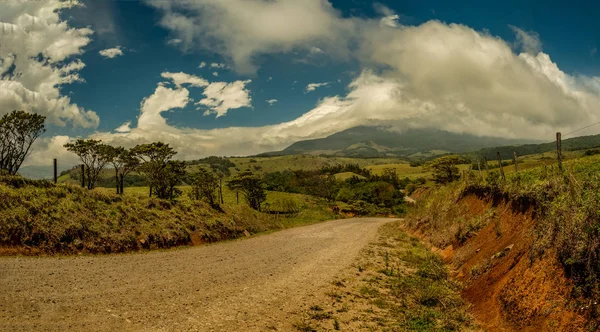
[488, 243]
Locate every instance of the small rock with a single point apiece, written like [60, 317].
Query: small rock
[246, 233]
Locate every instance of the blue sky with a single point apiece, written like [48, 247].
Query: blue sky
[568, 30]
[512, 68]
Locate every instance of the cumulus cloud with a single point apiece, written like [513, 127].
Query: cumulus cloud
[36, 59]
[218, 65]
[271, 101]
[313, 86]
[124, 128]
[215, 74]
[222, 97]
[240, 29]
[111, 53]
[202, 64]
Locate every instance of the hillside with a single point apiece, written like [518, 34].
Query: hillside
[368, 142]
[571, 144]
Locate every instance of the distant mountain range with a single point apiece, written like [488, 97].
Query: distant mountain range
[370, 142]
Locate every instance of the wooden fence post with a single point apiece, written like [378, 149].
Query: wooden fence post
[516, 161]
[237, 197]
[500, 166]
[55, 171]
[83, 176]
[479, 169]
[559, 150]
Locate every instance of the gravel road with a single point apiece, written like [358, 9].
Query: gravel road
[254, 284]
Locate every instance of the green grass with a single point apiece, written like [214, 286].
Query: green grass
[66, 219]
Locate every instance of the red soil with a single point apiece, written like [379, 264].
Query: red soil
[508, 290]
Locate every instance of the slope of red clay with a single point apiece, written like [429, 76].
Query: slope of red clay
[508, 289]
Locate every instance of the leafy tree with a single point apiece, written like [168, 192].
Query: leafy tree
[124, 162]
[444, 168]
[18, 131]
[251, 186]
[94, 155]
[163, 173]
[204, 185]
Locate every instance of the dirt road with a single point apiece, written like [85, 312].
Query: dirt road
[255, 284]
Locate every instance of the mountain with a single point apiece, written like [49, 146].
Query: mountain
[369, 142]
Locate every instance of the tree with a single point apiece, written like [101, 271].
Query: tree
[124, 162]
[251, 186]
[94, 155]
[444, 168]
[204, 185]
[163, 173]
[18, 131]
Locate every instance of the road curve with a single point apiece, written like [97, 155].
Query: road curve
[254, 284]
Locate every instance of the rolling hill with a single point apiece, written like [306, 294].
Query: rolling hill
[370, 142]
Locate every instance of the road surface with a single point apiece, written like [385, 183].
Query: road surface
[255, 284]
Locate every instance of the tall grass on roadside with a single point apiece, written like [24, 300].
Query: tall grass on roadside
[40, 217]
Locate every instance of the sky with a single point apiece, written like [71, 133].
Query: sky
[240, 77]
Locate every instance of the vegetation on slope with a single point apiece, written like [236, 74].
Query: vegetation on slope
[564, 203]
[43, 217]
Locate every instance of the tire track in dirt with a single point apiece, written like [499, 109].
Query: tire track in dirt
[254, 284]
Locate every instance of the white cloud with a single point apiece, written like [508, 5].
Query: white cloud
[174, 41]
[124, 128]
[111, 53]
[202, 64]
[271, 101]
[163, 99]
[47, 148]
[183, 78]
[316, 50]
[218, 65]
[215, 74]
[269, 79]
[313, 86]
[36, 59]
[528, 41]
[222, 97]
[240, 29]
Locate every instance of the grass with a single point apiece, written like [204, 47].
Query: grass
[39, 217]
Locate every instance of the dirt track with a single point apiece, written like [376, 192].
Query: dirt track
[255, 284]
